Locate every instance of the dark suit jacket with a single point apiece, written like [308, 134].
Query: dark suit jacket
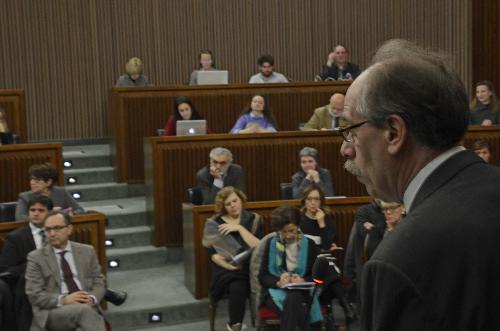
[235, 177]
[440, 268]
[59, 196]
[17, 245]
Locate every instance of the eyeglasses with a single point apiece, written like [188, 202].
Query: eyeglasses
[37, 179]
[56, 228]
[40, 210]
[390, 209]
[311, 199]
[215, 162]
[295, 231]
[347, 131]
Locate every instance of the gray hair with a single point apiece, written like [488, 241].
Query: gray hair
[309, 151]
[419, 86]
[221, 151]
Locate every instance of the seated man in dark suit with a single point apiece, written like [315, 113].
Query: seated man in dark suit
[219, 173]
[64, 282]
[7, 317]
[16, 247]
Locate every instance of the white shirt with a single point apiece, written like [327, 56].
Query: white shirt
[71, 262]
[417, 182]
[275, 77]
[37, 236]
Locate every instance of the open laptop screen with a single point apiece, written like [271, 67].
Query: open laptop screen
[191, 128]
[212, 77]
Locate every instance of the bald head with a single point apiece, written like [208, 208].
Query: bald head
[337, 104]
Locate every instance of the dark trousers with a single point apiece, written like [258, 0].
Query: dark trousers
[237, 295]
[295, 314]
[7, 316]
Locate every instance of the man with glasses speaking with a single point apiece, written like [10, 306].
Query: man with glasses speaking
[439, 269]
[219, 173]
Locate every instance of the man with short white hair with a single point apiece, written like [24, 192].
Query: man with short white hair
[327, 117]
[220, 172]
[439, 269]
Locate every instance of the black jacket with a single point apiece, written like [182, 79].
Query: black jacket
[440, 268]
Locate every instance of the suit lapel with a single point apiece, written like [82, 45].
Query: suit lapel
[28, 235]
[52, 262]
[446, 171]
[78, 257]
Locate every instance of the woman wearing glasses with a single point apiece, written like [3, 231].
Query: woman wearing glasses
[288, 259]
[311, 173]
[43, 178]
[317, 224]
[229, 237]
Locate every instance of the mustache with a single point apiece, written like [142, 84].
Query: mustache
[352, 168]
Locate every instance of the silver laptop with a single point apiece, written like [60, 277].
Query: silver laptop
[212, 77]
[191, 127]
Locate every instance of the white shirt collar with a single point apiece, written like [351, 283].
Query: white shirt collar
[417, 181]
[68, 248]
[253, 114]
[34, 229]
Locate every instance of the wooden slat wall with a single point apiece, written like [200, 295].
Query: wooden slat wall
[268, 160]
[66, 54]
[15, 160]
[486, 41]
[137, 113]
[12, 101]
[196, 264]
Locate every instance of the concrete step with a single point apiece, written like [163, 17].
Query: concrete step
[141, 257]
[88, 156]
[154, 290]
[129, 236]
[120, 213]
[89, 175]
[100, 191]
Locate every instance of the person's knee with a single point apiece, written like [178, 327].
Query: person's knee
[239, 288]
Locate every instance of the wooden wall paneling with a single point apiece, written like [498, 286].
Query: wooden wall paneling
[197, 267]
[12, 101]
[138, 113]
[268, 160]
[87, 229]
[486, 41]
[15, 160]
[66, 65]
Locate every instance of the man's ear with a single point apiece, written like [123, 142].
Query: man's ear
[396, 134]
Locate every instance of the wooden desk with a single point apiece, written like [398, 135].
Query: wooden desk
[136, 113]
[15, 160]
[268, 160]
[13, 101]
[87, 229]
[196, 264]
[489, 133]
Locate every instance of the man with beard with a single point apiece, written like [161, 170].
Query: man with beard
[266, 74]
[407, 115]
